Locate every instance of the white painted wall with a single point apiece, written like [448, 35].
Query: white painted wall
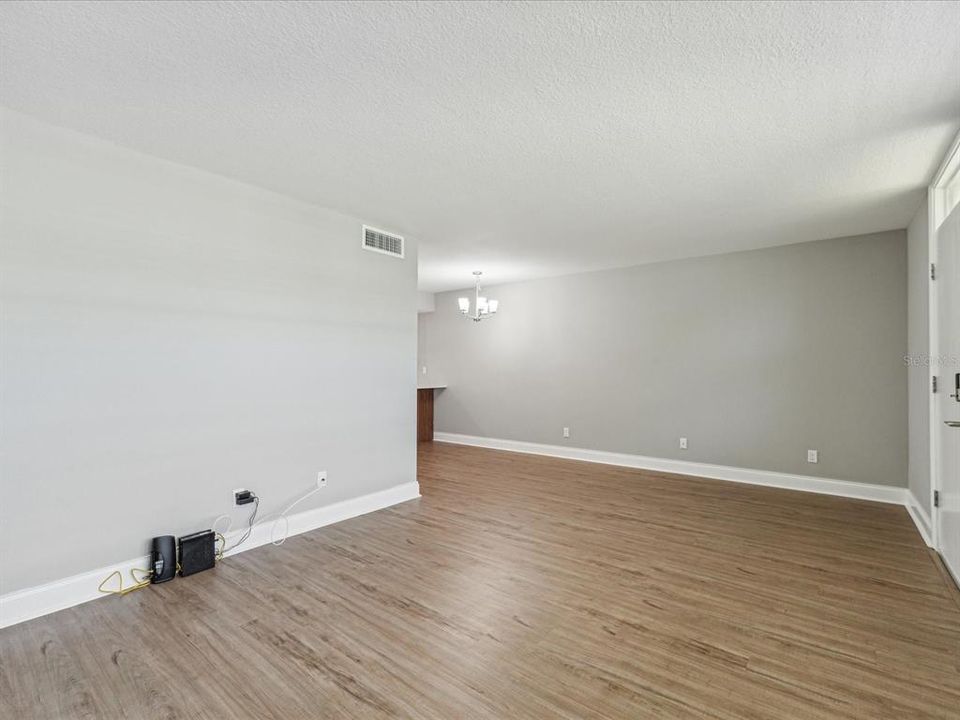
[425, 302]
[918, 348]
[169, 335]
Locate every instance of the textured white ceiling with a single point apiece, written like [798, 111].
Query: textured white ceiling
[522, 139]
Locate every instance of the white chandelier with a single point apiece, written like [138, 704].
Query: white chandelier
[483, 308]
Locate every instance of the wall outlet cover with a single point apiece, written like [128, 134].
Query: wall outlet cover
[813, 456]
[322, 479]
[566, 432]
[683, 443]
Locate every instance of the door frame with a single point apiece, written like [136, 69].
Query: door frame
[946, 181]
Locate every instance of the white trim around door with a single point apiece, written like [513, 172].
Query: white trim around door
[946, 176]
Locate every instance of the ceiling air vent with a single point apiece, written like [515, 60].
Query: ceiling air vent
[382, 242]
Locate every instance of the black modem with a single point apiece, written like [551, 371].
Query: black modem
[198, 552]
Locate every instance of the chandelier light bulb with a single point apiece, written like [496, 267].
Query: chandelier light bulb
[483, 307]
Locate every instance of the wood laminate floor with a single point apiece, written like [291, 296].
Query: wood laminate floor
[527, 587]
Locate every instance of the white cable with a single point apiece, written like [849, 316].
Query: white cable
[226, 529]
[251, 524]
[283, 516]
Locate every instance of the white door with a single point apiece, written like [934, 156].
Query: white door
[948, 401]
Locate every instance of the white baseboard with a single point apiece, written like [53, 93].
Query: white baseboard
[806, 483]
[920, 518]
[954, 572]
[22, 605]
[17, 607]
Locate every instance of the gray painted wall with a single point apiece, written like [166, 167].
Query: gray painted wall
[169, 335]
[422, 344]
[754, 356]
[918, 347]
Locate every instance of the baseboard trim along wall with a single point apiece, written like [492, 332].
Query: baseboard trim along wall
[843, 488]
[805, 483]
[23, 605]
[920, 518]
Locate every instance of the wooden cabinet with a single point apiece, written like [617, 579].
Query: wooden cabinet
[424, 414]
[425, 395]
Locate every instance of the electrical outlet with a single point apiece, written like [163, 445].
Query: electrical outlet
[566, 432]
[423, 370]
[683, 443]
[322, 479]
[813, 456]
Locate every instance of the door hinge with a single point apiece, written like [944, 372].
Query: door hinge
[936, 498]
[933, 271]
[933, 383]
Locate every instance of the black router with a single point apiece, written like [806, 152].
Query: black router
[163, 558]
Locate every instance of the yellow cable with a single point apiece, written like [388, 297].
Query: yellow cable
[138, 583]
